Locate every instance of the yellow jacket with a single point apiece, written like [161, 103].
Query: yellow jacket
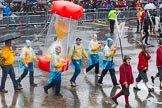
[57, 63]
[112, 15]
[76, 53]
[94, 47]
[108, 53]
[28, 55]
[8, 55]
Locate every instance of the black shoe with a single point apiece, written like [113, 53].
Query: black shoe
[18, 89]
[152, 79]
[127, 106]
[117, 84]
[150, 90]
[100, 83]
[19, 84]
[147, 44]
[136, 88]
[115, 101]
[34, 85]
[59, 94]
[3, 91]
[45, 91]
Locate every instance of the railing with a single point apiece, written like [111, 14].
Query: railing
[25, 19]
[41, 18]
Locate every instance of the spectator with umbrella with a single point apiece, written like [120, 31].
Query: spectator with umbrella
[7, 67]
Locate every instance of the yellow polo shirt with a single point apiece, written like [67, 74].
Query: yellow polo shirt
[77, 53]
[94, 47]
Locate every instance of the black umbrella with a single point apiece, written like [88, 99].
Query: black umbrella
[10, 36]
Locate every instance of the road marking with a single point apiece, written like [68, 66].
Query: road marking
[153, 100]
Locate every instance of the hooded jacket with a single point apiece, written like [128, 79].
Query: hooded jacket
[159, 57]
[108, 53]
[126, 74]
[143, 60]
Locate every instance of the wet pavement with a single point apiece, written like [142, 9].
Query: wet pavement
[88, 94]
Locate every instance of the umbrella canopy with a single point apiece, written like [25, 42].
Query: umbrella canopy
[10, 36]
[149, 6]
[160, 6]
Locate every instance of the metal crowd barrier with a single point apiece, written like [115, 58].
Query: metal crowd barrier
[24, 19]
[41, 18]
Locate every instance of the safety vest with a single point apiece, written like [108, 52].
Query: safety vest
[112, 15]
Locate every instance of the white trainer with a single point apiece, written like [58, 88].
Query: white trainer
[84, 71]
[98, 75]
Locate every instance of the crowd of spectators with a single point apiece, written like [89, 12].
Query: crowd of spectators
[118, 4]
[34, 6]
[23, 7]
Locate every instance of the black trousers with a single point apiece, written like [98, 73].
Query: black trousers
[146, 36]
[112, 23]
[112, 74]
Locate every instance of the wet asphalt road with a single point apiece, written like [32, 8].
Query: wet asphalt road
[88, 94]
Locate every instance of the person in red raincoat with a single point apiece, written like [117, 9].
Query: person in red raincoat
[159, 63]
[142, 67]
[126, 78]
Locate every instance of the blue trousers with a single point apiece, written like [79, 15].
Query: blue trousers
[5, 71]
[31, 74]
[95, 63]
[56, 83]
[77, 65]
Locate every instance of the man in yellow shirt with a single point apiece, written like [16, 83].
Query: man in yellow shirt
[26, 63]
[108, 63]
[93, 59]
[56, 64]
[7, 68]
[76, 54]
